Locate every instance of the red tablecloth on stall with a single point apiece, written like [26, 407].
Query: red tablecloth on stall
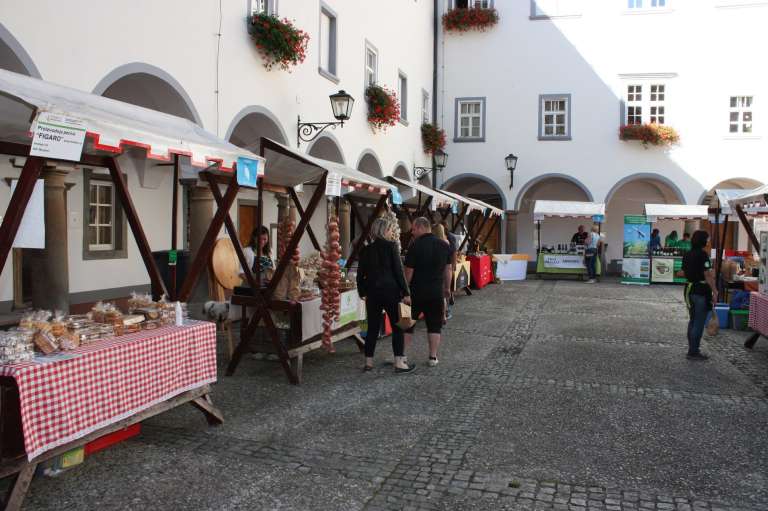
[758, 313]
[65, 398]
[481, 270]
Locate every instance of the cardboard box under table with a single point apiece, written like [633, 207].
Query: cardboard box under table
[58, 402]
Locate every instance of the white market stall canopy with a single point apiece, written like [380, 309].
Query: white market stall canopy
[442, 200]
[472, 205]
[567, 209]
[288, 167]
[752, 199]
[493, 209]
[724, 198]
[111, 126]
[656, 212]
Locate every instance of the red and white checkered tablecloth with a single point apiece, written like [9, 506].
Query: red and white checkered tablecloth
[758, 313]
[110, 380]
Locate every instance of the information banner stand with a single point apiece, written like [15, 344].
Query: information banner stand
[636, 264]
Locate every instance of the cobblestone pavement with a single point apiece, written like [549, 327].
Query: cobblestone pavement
[549, 395]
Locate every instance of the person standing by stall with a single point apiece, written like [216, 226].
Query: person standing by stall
[259, 236]
[381, 282]
[671, 240]
[700, 291]
[655, 241]
[441, 231]
[580, 237]
[428, 271]
[592, 243]
[685, 243]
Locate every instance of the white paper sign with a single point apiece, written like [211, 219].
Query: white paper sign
[433, 204]
[58, 136]
[31, 232]
[563, 261]
[333, 184]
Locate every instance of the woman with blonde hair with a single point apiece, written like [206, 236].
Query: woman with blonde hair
[381, 282]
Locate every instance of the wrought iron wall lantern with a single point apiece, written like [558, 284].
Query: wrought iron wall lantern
[440, 160]
[341, 104]
[511, 162]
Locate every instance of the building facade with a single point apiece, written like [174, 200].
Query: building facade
[198, 61]
[553, 82]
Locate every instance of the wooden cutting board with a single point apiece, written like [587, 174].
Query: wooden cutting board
[226, 267]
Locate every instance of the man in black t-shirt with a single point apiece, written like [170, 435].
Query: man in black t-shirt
[580, 237]
[700, 291]
[428, 272]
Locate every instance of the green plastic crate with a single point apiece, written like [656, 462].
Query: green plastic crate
[739, 319]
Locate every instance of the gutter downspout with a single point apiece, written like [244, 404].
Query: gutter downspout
[434, 84]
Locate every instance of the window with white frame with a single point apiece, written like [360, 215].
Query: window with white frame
[402, 95]
[554, 117]
[646, 103]
[543, 9]
[470, 119]
[263, 7]
[647, 4]
[371, 65]
[740, 114]
[327, 42]
[101, 216]
[424, 107]
[471, 4]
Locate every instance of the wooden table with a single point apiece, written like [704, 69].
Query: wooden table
[53, 405]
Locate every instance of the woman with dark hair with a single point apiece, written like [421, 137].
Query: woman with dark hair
[259, 237]
[700, 291]
[655, 240]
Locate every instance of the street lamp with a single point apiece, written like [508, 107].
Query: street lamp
[511, 162]
[341, 105]
[440, 160]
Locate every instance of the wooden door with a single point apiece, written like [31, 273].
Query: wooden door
[247, 222]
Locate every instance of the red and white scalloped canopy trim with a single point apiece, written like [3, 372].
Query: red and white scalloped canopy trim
[163, 153]
[353, 185]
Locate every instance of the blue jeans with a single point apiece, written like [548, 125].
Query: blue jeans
[591, 262]
[698, 313]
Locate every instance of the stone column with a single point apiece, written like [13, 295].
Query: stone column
[345, 228]
[50, 280]
[283, 205]
[510, 244]
[201, 211]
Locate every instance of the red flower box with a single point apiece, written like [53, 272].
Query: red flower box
[383, 107]
[278, 41]
[432, 138]
[656, 134]
[475, 18]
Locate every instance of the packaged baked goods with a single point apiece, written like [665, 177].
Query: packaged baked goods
[16, 346]
[139, 301]
[151, 324]
[58, 324]
[45, 341]
[69, 341]
[149, 313]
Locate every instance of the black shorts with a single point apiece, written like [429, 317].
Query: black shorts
[433, 314]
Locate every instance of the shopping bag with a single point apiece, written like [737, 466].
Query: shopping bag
[713, 327]
[405, 321]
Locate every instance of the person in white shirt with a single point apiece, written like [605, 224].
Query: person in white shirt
[259, 236]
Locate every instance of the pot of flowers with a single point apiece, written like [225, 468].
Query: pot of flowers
[654, 134]
[474, 18]
[383, 107]
[432, 138]
[279, 42]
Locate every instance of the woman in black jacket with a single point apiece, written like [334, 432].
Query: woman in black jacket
[381, 282]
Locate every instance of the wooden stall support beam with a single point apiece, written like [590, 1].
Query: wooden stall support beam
[424, 211]
[719, 257]
[121, 189]
[471, 221]
[174, 222]
[213, 415]
[366, 231]
[356, 213]
[18, 204]
[230, 227]
[476, 236]
[18, 488]
[748, 227]
[259, 223]
[490, 230]
[206, 247]
[300, 210]
[22, 150]
[459, 219]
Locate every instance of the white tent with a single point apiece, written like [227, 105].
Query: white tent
[438, 197]
[757, 198]
[567, 209]
[289, 167]
[724, 196]
[656, 212]
[111, 126]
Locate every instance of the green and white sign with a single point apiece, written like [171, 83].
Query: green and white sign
[636, 265]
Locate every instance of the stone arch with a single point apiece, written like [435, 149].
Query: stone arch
[14, 57]
[452, 185]
[327, 147]
[401, 171]
[148, 86]
[552, 175]
[252, 123]
[647, 176]
[369, 163]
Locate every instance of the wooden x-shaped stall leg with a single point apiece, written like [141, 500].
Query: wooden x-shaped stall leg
[366, 231]
[18, 205]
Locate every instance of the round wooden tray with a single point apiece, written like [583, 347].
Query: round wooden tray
[226, 267]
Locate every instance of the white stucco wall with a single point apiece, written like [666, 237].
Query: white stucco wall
[702, 52]
[79, 45]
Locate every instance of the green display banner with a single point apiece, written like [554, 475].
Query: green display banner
[636, 265]
[173, 256]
